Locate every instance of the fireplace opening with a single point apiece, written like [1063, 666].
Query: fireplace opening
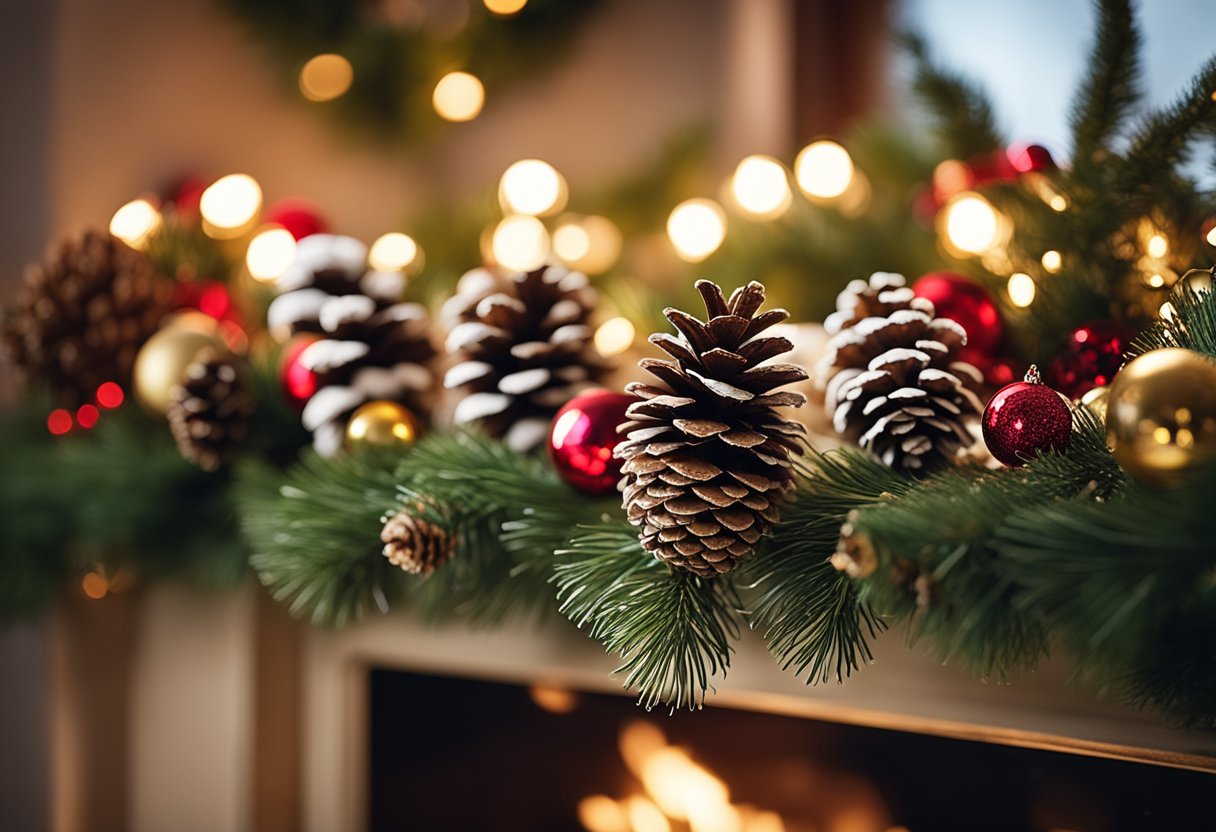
[458, 754]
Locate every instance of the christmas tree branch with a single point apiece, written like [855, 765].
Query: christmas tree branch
[963, 113]
[672, 629]
[1110, 90]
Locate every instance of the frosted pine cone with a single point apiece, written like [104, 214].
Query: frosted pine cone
[892, 379]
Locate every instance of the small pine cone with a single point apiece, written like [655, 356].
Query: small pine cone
[708, 457]
[892, 380]
[372, 347]
[416, 545]
[83, 314]
[210, 410]
[855, 554]
[522, 347]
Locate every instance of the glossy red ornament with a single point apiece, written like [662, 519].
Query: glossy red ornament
[582, 437]
[1029, 158]
[967, 304]
[185, 194]
[1024, 419]
[299, 382]
[1091, 356]
[298, 216]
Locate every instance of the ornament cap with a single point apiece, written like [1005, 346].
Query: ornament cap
[1032, 375]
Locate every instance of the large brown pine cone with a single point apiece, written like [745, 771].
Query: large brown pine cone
[522, 346]
[892, 379]
[209, 411]
[84, 312]
[707, 457]
[372, 347]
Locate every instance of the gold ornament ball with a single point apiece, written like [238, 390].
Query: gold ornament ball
[162, 360]
[1096, 400]
[1161, 415]
[381, 424]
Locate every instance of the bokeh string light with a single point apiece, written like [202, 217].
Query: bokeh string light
[824, 170]
[459, 96]
[135, 223]
[269, 254]
[532, 187]
[696, 228]
[230, 205]
[326, 77]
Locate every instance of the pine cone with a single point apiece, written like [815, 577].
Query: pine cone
[891, 377]
[707, 455]
[522, 348]
[209, 411]
[372, 347]
[84, 313]
[416, 545]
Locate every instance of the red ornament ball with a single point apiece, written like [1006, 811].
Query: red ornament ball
[1024, 419]
[299, 382]
[298, 216]
[1090, 358]
[1029, 158]
[967, 304]
[582, 438]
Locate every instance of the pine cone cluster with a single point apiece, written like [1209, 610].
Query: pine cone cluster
[415, 545]
[707, 456]
[209, 412]
[522, 347]
[372, 346]
[891, 377]
[84, 312]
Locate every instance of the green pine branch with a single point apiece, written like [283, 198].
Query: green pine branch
[963, 114]
[1110, 91]
[811, 614]
[315, 534]
[1191, 326]
[672, 629]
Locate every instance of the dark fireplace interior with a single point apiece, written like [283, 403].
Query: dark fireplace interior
[455, 754]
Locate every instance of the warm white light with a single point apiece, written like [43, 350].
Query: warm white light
[1021, 289]
[1052, 261]
[1211, 237]
[1158, 246]
[392, 252]
[571, 242]
[326, 77]
[1058, 203]
[972, 225]
[1166, 311]
[824, 170]
[520, 243]
[614, 336]
[696, 228]
[533, 187]
[458, 96]
[505, 7]
[590, 244]
[135, 222]
[1155, 280]
[230, 204]
[760, 186]
[270, 253]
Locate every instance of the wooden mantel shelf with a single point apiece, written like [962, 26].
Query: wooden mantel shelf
[902, 690]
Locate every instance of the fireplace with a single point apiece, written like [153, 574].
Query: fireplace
[452, 753]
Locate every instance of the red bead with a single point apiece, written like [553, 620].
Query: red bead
[59, 422]
[109, 394]
[86, 416]
[1090, 358]
[967, 304]
[298, 216]
[1025, 419]
[299, 382]
[582, 438]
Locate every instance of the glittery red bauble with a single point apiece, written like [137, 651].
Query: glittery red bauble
[967, 304]
[582, 437]
[298, 216]
[299, 382]
[1090, 358]
[1023, 419]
